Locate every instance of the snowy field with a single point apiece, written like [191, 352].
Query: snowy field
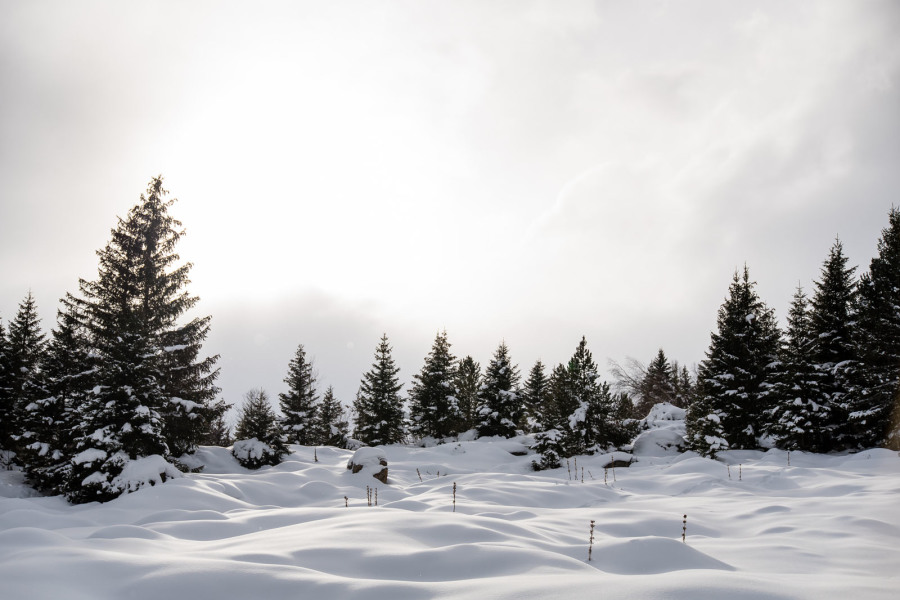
[821, 527]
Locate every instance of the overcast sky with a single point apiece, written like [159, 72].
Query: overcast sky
[527, 171]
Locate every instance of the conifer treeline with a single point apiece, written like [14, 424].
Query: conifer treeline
[830, 382]
[120, 392]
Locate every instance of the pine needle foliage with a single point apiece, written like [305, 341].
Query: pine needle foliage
[378, 405]
[434, 407]
[730, 410]
[299, 404]
[499, 404]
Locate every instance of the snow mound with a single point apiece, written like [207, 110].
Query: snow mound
[814, 528]
[647, 555]
[663, 431]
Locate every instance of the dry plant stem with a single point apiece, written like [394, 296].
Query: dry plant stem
[419, 474]
[684, 529]
[454, 496]
[740, 472]
[315, 455]
[569, 469]
[591, 542]
[605, 470]
[346, 502]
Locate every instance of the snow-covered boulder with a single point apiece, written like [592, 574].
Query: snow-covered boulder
[370, 460]
[662, 432]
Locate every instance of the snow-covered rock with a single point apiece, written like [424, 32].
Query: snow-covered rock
[369, 460]
[662, 432]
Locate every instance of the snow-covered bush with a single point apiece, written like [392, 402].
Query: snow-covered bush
[259, 440]
[254, 454]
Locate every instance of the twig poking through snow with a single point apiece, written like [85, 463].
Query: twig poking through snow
[591, 543]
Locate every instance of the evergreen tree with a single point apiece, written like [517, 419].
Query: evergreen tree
[26, 354]
[68, 372]
[799, 420]
[683, 384]
[434, 407]
[499, 405]
[298, 405]
[379, 407]
[657, 385]
[218, 434]
[259, 441]
[874, 410]
[833, 352]
[7, 403]
[333, 429]
[152, 395]
[534, 399]
[468, 382]
[730, 410]
[582, 415]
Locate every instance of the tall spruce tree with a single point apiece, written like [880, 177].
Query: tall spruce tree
[734, 388]
[433, 404]
[799, 419]
[874, 410]
[499, 404]
[332, 428]
[153, 396]
[468, 382]
[378, 405]
[299, 404]
[833, 351]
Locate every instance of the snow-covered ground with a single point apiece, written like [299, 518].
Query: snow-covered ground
[821, 527]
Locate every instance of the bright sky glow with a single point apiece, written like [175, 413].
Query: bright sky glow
[533, 171]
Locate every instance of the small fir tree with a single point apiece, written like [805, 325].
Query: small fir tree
[68, 371]
[683, 384]
[434, 406]
[379, 407]
[499, 404]
[657, 385]
[332, 428]
[534, 399]
[467, 384]
[219, 433]
[26, 354]
[259, 440]
[7, 402]
[799, 420]
[298, 405]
